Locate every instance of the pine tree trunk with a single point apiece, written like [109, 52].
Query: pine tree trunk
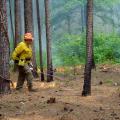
[4, 49]
[49, 43]
[29, 28]
[22, 19]
[17, 22]
[89, 41]
[40, 40]
[11, 22]
[17, 38]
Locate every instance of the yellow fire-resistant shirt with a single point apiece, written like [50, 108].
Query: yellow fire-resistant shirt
[22, 53]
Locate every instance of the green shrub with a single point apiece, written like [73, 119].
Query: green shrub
[71, 49]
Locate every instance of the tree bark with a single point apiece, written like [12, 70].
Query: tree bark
[48, 42]
[17, 22]
[40, 40]
[89, 49]
[4, 49]
[17, 38]
[29, 28]
[11, 22]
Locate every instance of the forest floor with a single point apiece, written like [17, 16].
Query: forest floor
[66, 102]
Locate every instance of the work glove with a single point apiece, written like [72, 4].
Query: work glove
[21, 62]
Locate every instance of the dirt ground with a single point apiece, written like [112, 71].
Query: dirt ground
[62, 100]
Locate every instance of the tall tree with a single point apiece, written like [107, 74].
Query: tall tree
[17, 22]
[11, 21]
[89, 49]
[4, 49]
[17, 38]
[48, 42]
[29, 28]
[40, 40]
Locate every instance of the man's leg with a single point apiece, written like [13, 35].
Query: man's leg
[29, 77]
[21, 78]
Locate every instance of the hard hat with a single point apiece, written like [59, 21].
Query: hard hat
[28, 37]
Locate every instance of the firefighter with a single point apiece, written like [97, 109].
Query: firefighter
[22, 56]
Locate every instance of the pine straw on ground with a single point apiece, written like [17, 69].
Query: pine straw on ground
[103, 104]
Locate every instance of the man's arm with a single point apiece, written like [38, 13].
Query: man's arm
[18, 50]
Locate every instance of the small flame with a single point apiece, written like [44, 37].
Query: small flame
[42, 85]
[13, 85]
[48, 85]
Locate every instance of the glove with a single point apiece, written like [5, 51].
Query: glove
[21, 62]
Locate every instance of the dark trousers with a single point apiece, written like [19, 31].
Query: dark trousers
[25, 73]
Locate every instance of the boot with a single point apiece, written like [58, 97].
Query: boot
[30, 89]
[18, 88]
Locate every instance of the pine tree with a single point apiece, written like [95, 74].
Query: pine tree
[89, 49]
[17, 22]
[48, 42]
[40, 40]
[4, 49]
[29, 28]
